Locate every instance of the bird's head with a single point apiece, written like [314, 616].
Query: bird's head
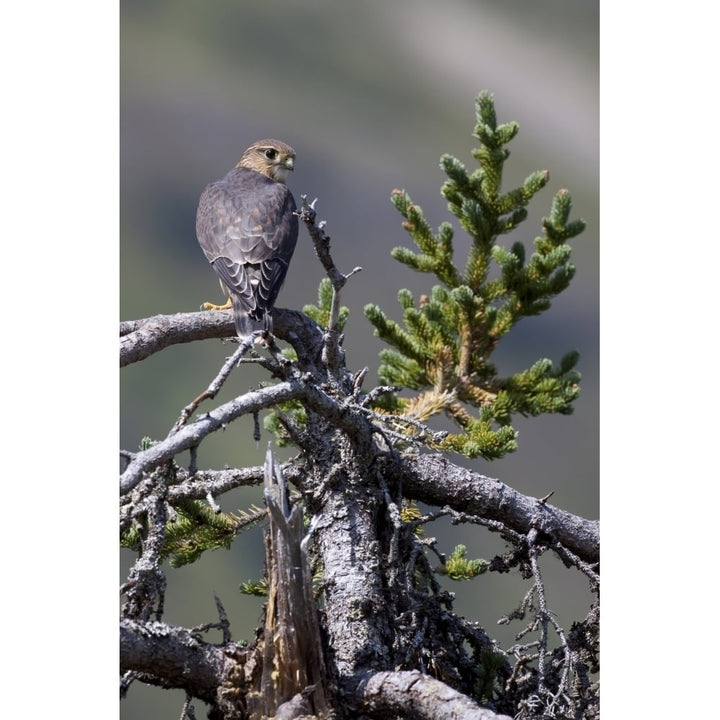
[273, 158]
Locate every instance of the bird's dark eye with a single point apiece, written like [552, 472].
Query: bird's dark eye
[271, 153]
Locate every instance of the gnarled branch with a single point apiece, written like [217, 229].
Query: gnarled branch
[434, 480]
[413, 694]
[173, 657]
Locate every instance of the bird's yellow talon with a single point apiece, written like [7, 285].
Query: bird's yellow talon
[212, 306]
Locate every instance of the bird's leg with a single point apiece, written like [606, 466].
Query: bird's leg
[212, 306]
[226, 306]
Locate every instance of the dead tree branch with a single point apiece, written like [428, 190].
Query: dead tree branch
[435, 480]
[412, 694]
[173, 657]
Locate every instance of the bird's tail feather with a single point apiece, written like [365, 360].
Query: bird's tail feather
[246, 325]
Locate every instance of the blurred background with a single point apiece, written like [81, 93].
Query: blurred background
[370, 95]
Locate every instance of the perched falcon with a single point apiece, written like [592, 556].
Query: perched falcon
[247, 228]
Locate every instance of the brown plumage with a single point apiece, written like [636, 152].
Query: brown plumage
[247, 229]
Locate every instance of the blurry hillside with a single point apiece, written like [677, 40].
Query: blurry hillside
[370, 94]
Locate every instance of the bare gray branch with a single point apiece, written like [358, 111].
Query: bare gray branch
[412, 694]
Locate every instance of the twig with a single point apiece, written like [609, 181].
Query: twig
[188, 711]
[544, 617]
[321, 242]
[376, 392]
[213, 388]
[332, 357]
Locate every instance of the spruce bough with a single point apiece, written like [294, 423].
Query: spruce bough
[443, 351]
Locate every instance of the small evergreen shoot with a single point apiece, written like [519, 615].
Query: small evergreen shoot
[459, 567]
[320, 313]
[443, 351]
[196, 528]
